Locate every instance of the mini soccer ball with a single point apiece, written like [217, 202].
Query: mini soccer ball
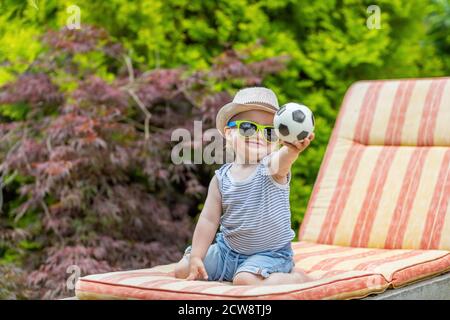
[293, 122]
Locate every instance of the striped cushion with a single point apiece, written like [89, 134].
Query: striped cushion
[385, 178]
[338, 273]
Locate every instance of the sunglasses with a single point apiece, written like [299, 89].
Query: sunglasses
[248, 128]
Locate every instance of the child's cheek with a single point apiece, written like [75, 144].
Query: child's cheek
[238, 143]
[233, 139]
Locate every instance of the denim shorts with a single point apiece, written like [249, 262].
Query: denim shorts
[223, 263]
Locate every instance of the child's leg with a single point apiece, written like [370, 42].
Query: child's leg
[269, 268]
[248, 278]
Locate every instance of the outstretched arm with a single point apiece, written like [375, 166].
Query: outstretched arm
[281, 161]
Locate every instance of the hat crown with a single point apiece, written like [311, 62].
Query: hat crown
[257, 95]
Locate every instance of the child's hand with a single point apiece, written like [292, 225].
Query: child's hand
[299, 146]
[197, 269]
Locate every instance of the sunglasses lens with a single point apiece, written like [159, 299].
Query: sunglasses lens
[270, 134]
[247, 129]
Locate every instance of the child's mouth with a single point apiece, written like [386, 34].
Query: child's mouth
[254, 143]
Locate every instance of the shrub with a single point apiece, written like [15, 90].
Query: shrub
[87, 168]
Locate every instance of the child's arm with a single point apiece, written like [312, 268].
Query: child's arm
[281, 161]
[205, 230]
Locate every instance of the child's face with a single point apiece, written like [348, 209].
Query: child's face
[254, 148]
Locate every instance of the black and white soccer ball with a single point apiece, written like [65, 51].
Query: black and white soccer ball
[293, 122]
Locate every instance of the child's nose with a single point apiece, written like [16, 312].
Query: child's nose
[260, 135]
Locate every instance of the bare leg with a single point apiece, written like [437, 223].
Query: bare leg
[247, 278]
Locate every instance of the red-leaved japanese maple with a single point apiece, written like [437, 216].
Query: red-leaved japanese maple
[87, 176]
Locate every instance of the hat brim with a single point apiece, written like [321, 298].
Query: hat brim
[231, 109]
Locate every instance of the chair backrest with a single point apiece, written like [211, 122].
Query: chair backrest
[385, 178]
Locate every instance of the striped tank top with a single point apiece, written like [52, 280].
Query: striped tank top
[256, 212]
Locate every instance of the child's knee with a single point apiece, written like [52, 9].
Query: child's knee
[246, 278]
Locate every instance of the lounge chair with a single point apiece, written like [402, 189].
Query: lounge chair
[378, 217]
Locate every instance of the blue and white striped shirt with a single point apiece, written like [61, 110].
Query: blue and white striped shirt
[256, 212]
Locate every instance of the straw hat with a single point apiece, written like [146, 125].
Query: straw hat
[253, 98]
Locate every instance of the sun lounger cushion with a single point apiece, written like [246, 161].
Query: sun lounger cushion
[338, 273]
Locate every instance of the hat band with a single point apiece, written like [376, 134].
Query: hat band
[265, 104]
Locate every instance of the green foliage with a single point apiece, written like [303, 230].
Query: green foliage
[15, 111]
[439, 21]
[328, 41]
